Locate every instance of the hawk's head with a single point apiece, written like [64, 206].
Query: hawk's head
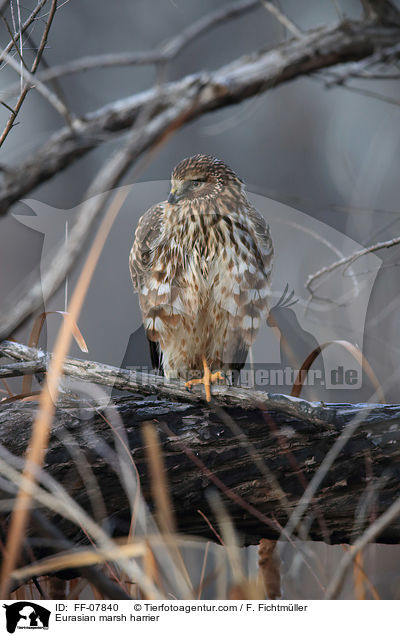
[202, 177]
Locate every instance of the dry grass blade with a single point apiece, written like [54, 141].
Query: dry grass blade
[20, 396]
[38, 326]
[80, 559]
[130, 459]
[357, 355]
[203, 571]
[363, 579]
[150, 566]
[359, 577]
[228, 533]
[7, 388]
[161, 496]
[48, 396]
[213, 530]
[241, 587]
[35, 335]
[54, 497]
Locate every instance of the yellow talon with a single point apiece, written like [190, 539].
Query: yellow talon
[207, 379]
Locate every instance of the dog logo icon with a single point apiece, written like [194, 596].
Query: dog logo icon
[26, 615]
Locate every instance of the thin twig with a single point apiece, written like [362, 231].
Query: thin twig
[338, 9]
[384, 55]
[163, 55]
[25, 25]
[26, 75]
[367, 93]
[17, 48]
[348, 260]
[42, 89]
[283, 19]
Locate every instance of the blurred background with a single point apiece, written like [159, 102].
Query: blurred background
[331, 154]
[322, 158]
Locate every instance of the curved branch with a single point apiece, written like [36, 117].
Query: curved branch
[231, 84]
[348, 260]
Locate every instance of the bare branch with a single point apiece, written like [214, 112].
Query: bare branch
[21, 368]
[338, 9]
[132, 380]
[16, 47]
[283, 19]
[163, 55]
[244, 78]
[25, 25]
[41, 88]
[180, 101]
[348, 260]
[140, 139]
[356, 89]
[55, 101]
[381, 11]
[360, 69]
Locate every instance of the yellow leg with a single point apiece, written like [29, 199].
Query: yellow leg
[207, 379]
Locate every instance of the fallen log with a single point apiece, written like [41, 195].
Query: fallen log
[259, 451]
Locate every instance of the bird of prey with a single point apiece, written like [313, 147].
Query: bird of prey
[201, 263]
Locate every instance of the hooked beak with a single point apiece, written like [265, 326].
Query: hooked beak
[173, 197]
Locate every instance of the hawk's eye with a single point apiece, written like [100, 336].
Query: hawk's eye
[196, 184]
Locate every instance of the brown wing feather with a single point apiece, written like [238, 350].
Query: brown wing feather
[241, 286]
[141, 257]
[147, 233]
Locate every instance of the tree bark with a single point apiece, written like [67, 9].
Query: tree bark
[203, 450]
